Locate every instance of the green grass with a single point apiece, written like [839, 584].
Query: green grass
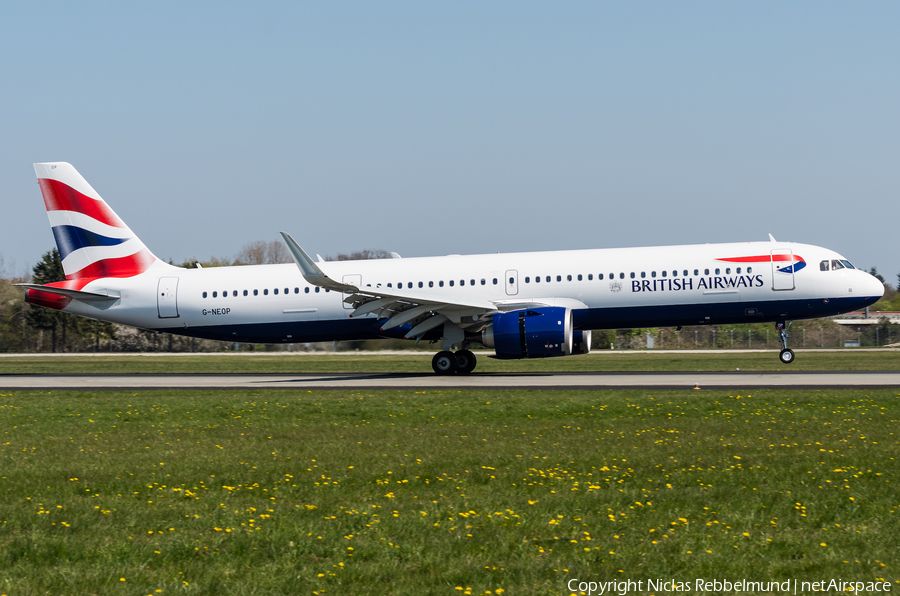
[421, 363]
[442, 492]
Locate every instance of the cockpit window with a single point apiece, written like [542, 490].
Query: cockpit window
[847, 264]
[835, 265]
[824, 265]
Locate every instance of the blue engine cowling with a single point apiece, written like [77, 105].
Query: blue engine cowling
[535, 333]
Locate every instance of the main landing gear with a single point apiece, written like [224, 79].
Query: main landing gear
[786, 355]
[447, 363]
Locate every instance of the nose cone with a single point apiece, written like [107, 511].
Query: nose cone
[872, 286]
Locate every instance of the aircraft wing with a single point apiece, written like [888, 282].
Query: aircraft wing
[425, 310]
[428, 310]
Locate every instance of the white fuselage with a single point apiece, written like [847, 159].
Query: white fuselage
[605, 288]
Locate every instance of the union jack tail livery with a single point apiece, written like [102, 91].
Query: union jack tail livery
[92, 241]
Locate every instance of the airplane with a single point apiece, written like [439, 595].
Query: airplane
[521, 305]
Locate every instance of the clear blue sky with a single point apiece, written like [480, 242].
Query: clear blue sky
[435, 128]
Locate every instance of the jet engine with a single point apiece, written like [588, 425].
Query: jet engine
[535, 333]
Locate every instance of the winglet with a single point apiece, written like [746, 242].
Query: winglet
[772, 238]
[311, 271]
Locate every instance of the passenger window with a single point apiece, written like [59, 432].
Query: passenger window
[696, 272]
[287, 291]
[276, 291]
[622, 276]
[296, 290]
[527, 280]
[204, 294]
[653, 274]
[537, 279]
[835, 265]
[675, 273]
[717, 270]
[441, 283]
[559, 278]
[421, 285]
[431, 284]
[246, 292]
[462, 282]
[390, 286]
[569, 277]
[643, 274]
[706, 272]
[471, 282]
[451, 283]
[579, 277]
[496, 281]
[327, 290]
[728, 271]
[738, 270]
[317, 289]
[632, 275]
[256, 292]
[306, 290]
[548, 279]
[483, 281]
[663, 273]
[225, 294]
[266, 292]
[749, 269]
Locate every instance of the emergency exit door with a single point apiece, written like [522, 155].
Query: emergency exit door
[353, 280]
[512, 282]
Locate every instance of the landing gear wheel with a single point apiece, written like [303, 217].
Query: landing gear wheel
[786, 355]
[465, 362]
[444, 363]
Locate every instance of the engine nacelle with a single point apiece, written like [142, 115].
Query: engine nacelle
[533, 333]
[581, 342]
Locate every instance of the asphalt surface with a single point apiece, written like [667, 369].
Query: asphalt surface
[591, 380]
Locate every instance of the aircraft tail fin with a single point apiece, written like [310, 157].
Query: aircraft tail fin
[92, 240]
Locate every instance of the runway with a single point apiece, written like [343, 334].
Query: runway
[604, 380]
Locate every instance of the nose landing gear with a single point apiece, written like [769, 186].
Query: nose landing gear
[447, 363]
[786, 355]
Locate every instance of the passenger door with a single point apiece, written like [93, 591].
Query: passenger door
[782, 269]
[167, 297]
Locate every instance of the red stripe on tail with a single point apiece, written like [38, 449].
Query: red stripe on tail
[121, 267]
[62, 197]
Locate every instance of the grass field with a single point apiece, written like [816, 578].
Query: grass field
[413, 362]
[453, 492]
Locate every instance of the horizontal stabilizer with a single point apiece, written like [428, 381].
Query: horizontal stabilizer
[75, 294]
